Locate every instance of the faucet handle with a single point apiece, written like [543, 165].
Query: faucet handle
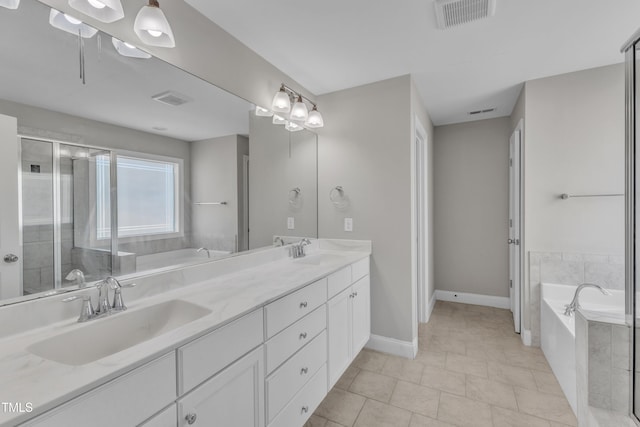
[118, 302]
[87, 312]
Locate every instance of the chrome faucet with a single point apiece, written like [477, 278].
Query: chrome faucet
[278, 241]
[104, 307]
[206, 250]
[77, 276]
[575, 304]
[298, 250]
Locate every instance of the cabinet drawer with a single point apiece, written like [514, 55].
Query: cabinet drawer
[338, 281]
[166, 418]
[285, 311]
[287, 342]
[359, 269]
[204, 357]
[298, 411]
[294, 374]
[125, 401]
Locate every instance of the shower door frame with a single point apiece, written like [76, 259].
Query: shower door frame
[56, 194]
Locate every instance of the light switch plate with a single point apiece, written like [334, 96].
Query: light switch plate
[291, 223]
[348, 224]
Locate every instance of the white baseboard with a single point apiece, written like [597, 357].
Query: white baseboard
[525, 336]
[476, 299]
[432, 304]
[393, 346]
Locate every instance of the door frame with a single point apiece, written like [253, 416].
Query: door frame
[420, 223]
[245, 202]
[516, 223]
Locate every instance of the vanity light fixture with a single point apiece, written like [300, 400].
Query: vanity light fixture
[152, 26]
[299, 113]
[263, 112]
[103, 10]
[128, 50]
[315, 119]
[293, 127]
[278, 120]
[281, 101]
[68, 23]
[10, 4]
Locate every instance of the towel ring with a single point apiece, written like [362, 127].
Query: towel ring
[337, 196]
[295, 195]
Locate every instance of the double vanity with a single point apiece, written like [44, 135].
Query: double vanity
[252, 340]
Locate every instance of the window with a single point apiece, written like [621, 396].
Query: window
[148, 196]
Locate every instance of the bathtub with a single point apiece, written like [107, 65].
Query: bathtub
[558, 332]
[173, 258]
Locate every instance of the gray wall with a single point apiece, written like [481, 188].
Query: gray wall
[280, 161]
[214, 173]
[574, 127]
[471, 175]
[367, 150]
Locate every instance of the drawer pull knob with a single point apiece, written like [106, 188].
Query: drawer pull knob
[191, 418]
[355, 294]
[351, 296]
[304, 371]
[303, 335]
[303, 304]
[305, 409]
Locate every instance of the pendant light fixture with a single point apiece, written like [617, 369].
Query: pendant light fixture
[103, 10]
[278, 120]
[10, 4]
[281, 101]
[293, 127]
[128, 50]
[315, 119]
[299, 111]
[263, 112]
[68, 23]
[299, 114]
[152, 26]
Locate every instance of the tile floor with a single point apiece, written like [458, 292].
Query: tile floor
[471, 370]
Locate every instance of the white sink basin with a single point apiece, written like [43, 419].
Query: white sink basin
[102, 337]
[319, 259]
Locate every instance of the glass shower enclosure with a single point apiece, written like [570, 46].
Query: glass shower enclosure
[632, 74]
[59, 193]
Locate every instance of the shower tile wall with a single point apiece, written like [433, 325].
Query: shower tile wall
[566, 268]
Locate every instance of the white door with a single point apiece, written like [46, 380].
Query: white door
[339, 334]
[515, 248]
[10, 247]
[234, 397]
[361, 314]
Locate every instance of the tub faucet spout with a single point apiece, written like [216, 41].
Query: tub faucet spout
[575, 304]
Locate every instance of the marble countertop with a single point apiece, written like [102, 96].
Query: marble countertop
[25, 377]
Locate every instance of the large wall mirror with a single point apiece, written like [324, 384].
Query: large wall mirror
[127, 164]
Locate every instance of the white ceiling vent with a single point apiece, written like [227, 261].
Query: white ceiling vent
[450, 13]
[174, 99]
[485, 111]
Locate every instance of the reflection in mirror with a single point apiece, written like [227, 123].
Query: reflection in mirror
[138, 146]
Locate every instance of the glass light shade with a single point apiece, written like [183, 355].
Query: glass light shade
[281, 102]
[103, 10]
[299, 111]
[315, 119]
[66, 23]
[10, 4]
[277, 120]
[293, 127]
[263, 112]
[152, 27]
[125, 49]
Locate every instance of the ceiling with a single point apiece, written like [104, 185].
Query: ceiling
[40, 67]
[336, 44]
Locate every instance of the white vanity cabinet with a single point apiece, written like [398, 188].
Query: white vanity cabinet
[234, 397]
[125, 401]
[166, 418]
[348, 317]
